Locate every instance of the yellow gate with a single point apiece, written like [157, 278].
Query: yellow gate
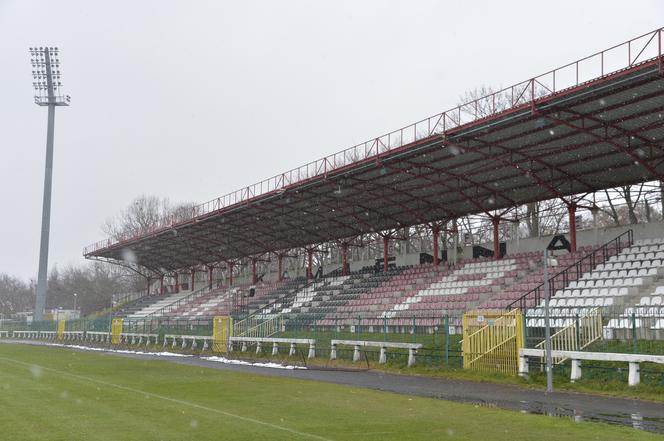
[61, 329]
[492, 340]
[222, 330]
[116, 330]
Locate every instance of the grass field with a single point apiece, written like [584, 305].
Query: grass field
[60, 394]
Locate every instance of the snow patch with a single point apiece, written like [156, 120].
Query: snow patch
[216, 359]
[225, 360]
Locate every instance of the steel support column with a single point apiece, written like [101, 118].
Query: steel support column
[496, 238]
[177, 282]
[386, 244]
[192, 278]
[161, 285]
[280, 266]
[230, 273]
[148, 280]
[344, 258]
[42, 275]
[571, 208]
[253, 271]
[436, 253]
[210, 269]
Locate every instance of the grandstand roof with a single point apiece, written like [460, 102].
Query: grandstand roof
[572, 130]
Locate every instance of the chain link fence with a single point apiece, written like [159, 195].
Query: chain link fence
[634, 330]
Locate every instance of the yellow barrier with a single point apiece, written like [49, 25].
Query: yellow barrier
[222, 330]
[492, 340]
[116, 330]
[61, 329]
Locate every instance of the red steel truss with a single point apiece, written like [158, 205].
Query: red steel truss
[592, 124]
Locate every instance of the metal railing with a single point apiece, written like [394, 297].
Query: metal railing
[623, 329]
[583, 331]
[256, 328]
[126, 298]
[646, 48]
[575, 270]
[179, 302]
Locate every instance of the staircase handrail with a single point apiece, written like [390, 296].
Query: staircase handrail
[129, 297]
[560, 280]
[578, 335]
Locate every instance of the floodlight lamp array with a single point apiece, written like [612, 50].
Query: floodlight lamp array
[46, 76]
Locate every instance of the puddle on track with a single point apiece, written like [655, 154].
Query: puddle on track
[635, 420]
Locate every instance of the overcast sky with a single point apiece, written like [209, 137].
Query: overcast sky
[193, 99]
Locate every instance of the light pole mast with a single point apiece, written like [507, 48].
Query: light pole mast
[46, 81]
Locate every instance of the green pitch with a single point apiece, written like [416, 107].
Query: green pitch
[58, 394]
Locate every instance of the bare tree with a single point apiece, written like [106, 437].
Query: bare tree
[532, 219]
[625, 205]
[144, 214]
[15, 295]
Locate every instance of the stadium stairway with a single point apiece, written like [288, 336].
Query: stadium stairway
[215, 302]
[315, 293]
[332, 293]
[533, 279]
[462, 288]
[627, 280]
[136, 306]
[161, 302]
[273, 293]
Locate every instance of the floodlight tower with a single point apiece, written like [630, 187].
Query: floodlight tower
[46, 81]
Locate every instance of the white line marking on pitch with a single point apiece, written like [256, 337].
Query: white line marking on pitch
[172, 400]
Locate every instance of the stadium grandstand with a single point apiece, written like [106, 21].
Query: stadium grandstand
[417, 227]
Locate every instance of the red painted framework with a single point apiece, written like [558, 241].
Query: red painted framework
[444, 124]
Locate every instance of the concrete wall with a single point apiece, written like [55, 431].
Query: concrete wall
[583, 237]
